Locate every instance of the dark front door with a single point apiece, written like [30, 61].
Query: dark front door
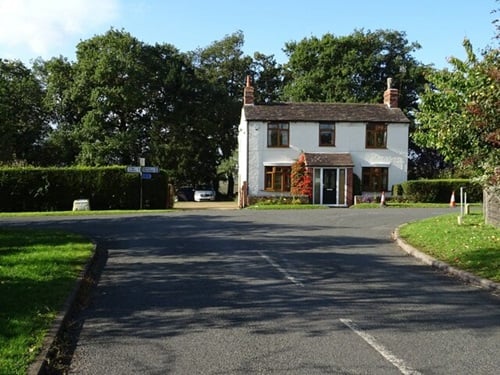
[329, 186]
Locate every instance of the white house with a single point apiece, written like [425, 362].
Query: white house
[337, 140]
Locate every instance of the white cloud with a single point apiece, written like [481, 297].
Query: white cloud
[42, 26]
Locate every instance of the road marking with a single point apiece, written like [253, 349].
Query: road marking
[405, 370]
[280, 269]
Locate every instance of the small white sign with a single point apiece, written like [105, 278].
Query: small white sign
[81, 205]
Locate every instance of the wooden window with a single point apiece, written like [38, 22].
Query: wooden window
[326, 134]
[375, 179]
[277, 134]
[376, 135]
[277, 178]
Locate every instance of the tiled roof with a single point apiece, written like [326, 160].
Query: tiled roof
[328, 159]
[348, 112]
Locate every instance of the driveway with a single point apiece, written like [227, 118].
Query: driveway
[275, 292]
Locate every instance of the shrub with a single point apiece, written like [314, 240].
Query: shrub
[301, 181]
[356, 184]
[55, 189]
[439, 191]
[397, 190]
[278, 199]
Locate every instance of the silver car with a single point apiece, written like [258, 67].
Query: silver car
[204, 193]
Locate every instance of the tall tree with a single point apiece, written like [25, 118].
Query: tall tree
[222, 67]
[172, 94]
[459, 112]
[353, 68]
[23, 120]
[268, 78]
[57, 76]
[110, 77]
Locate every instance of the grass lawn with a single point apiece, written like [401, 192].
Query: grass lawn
[401, 205]
[472, 246]
[38, 270]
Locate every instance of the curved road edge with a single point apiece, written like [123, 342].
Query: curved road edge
[467, 277]
[55, 351]
[57, 345]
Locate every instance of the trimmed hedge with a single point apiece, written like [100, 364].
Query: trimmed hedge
[438, 191]
[55, 189]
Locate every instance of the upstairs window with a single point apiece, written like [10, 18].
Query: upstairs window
[277, 178]
[376, 135]
[278, 134]
[326, 134]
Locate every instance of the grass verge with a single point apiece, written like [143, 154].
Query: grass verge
[81, 213]
[38, 270]
[267, 206]
[472, 246]
[401, 205]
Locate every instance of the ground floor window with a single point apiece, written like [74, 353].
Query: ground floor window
[375, 179]
[277, 178]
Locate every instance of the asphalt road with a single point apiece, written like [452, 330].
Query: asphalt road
[275, 292]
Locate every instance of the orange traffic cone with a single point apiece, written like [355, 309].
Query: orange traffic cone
[452, 199]
[382, 199]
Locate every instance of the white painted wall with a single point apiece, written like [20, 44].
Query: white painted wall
[242, 150]
[304, 137]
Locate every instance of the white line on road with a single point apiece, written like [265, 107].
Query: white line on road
[280, 269]
[405, 370]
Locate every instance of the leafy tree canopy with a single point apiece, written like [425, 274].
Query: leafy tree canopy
[458, 115]
[352, 68]
[23, 120]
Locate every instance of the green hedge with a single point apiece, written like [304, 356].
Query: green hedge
[55, 189]
[397, 190]
[438, 191]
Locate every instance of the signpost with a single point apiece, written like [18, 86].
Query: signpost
[132, 169]
[145, 173]
[150, 170]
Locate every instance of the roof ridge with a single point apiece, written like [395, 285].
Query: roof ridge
[316, 103]
[320, 111]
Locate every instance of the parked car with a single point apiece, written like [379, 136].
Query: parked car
[204, 193]
[184, 194]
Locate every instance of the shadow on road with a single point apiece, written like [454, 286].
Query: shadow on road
[168, 274]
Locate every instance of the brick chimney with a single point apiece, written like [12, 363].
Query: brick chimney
[248, 92]
[391, 95]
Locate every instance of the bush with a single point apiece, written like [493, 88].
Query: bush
[55, 189]
[397, 190]
[278, 199]
[439, 191]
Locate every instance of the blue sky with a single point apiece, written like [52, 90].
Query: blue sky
[47, 28]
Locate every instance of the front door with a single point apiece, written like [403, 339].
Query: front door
[329, 186]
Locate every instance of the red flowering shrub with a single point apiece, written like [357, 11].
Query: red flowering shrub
[301, 181]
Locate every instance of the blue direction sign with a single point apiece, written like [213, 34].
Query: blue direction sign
[150, 170]
[133, 169]
[146, 176]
